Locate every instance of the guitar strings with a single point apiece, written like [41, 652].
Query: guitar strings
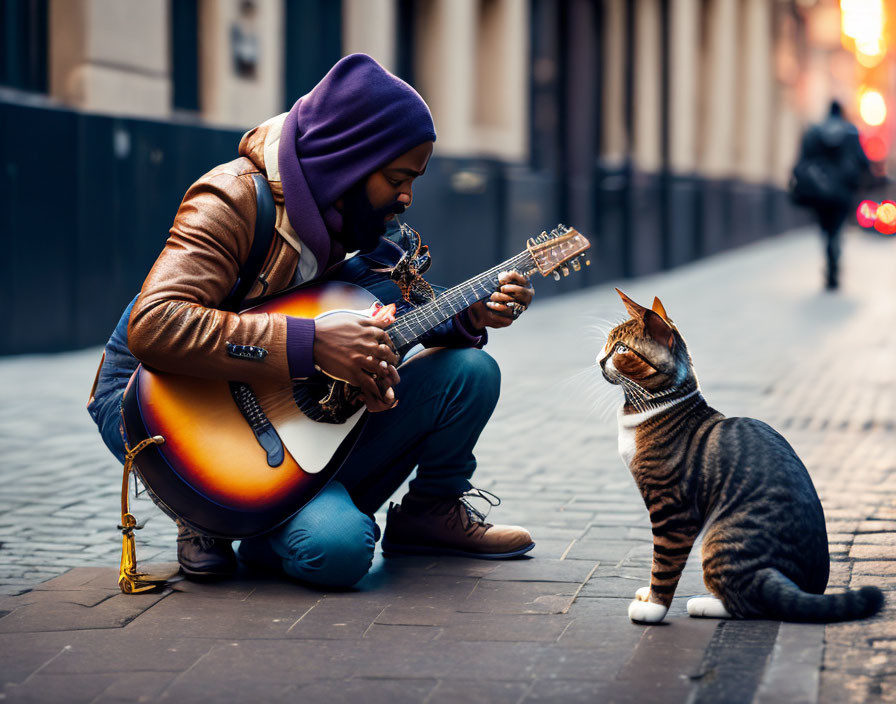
[431, 314]
[455, 294]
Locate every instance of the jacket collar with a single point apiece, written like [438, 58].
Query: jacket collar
[260, 145]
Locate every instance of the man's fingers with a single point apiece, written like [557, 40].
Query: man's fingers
[380, 350]
[373, 403]
[389, 373]
[383, 400]
[511, 276]
[386, 374]
[369, 387]
[499, 297]
[515, 290]
[498, 310]
[381, 323]
[387, 354]
[523, 294]
[514, 277]
[371, 365]
[496, 318]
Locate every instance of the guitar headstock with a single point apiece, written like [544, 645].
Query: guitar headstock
[552, 251]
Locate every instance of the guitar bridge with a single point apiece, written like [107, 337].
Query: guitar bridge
[264, 432]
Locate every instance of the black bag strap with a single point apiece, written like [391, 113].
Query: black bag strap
[261, 244]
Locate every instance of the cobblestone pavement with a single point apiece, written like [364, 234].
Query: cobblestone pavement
[766, 341]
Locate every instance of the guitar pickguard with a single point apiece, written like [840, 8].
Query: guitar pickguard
[313, 443]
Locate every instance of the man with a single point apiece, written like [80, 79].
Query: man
[826, 178]
[340, 165]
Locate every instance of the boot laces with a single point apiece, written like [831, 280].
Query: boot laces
[470, 516]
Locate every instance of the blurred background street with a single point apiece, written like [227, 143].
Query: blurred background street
[665, 130]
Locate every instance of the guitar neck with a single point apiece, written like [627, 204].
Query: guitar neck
[409, 327]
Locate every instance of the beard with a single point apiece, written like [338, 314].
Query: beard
[362, 224]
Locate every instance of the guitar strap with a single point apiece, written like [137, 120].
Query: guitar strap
[265, 217]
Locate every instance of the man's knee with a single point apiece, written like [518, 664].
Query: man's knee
[337, 554]
[479, 373]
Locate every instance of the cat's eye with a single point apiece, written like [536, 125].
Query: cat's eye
[621, 349]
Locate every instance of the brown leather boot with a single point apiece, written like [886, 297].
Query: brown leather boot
[423, 525]
[202, 556]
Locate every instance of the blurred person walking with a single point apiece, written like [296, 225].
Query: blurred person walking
[830, 169]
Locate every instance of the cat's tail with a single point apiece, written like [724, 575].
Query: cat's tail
[779, 598]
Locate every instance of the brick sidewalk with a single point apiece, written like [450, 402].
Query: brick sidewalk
[766, 342]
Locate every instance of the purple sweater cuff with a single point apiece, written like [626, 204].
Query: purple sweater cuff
[464, 326]
[300, 346]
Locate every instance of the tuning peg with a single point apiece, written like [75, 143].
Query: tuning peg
[587, 262]
[565, 270]
[576, 265]
[556, 275]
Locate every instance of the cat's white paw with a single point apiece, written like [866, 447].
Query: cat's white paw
[643, 594]
[707, 607]
[646, 611]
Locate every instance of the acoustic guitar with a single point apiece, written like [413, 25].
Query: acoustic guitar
[233, 460]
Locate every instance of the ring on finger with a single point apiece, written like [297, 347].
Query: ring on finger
[516, 309]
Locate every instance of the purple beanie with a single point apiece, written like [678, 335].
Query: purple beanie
[357, 119]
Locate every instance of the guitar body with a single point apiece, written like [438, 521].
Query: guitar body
[212, 470]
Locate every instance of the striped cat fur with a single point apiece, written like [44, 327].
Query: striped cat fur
[765, 549]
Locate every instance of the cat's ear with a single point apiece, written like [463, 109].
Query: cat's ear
[659, 310]
[633, 308]
[659, 329]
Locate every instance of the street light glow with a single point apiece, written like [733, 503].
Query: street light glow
[862, 26]
[862, 21]
[872, 107]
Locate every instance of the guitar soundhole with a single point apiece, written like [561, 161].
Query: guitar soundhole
[325, 400]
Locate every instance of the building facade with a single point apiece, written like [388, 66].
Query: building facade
[663, 129]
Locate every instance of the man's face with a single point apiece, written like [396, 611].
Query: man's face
[368, 206]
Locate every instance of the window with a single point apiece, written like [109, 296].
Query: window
[23, 44]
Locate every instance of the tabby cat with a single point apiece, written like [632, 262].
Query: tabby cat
[765, 549]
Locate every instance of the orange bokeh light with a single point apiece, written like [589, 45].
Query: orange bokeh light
[872, 107]
[862, 25]
[862, 20]
[885, 222]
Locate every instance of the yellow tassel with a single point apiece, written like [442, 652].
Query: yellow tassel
[130, 581]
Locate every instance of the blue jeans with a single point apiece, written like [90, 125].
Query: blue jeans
[446, 397]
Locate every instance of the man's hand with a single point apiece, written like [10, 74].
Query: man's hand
[495, 312]
[359, 351]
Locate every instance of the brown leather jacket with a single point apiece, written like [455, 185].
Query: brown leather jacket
[175, 325]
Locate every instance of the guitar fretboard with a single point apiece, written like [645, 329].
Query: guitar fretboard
[417, 322]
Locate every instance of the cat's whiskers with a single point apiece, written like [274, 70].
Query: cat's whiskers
[588, 386]
[637, 396]
[598, 329]
[581, 384]
[607, 402]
